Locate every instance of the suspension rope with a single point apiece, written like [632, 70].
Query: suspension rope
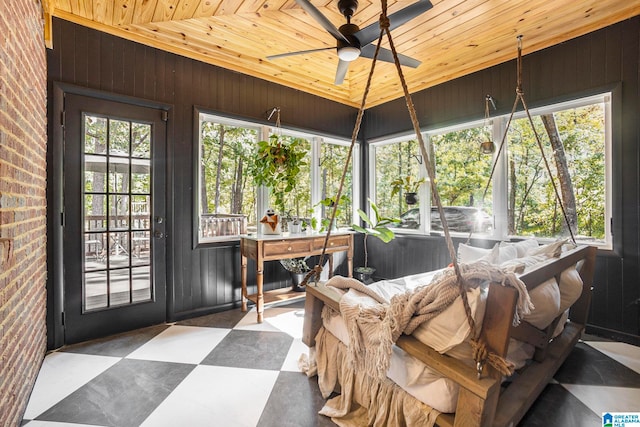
[520, 97]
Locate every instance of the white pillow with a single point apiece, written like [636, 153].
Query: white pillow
[450, 328]
[522, 247]
[497, 255]
[468, 254]
[570, 288]
[552, 249]
[524, 263]
[546, 300]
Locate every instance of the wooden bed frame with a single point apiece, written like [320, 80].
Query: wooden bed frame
[480, 401]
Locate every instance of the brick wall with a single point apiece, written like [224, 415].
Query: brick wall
[22, 203]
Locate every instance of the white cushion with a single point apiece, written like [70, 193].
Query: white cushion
[496, 255]
[468, 254]
[450, 328]
[570, 288]
[522, 247]
[553, 249]
[546, 300]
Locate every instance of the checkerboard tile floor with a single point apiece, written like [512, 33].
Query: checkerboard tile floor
[226, 370]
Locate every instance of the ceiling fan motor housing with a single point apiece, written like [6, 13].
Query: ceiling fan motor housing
[348, 7]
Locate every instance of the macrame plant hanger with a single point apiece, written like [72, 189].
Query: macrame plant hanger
[520, 98]
[482, 354]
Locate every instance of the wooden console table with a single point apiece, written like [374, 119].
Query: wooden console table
[263, 248]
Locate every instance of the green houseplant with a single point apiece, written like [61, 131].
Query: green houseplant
[409, 186]
[377, 226]
[329, 203]
[277, 164]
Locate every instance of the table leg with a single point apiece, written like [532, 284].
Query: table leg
[260, 296]
[243, 275]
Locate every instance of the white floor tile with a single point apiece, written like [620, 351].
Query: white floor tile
[626, 354]
[62, 374]
[180, 344]
[214, 395]
[286, 320]
[606, 399]
[291, 361]
[56, 424]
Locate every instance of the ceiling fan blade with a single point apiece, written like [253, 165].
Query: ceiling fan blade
[343, 66]
[301, 52]
[386, 55]
[326, 24]
[372, 31]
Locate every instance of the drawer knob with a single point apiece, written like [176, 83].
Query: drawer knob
[331, 244]
[289, 248]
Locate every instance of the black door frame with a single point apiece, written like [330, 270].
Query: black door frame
[55, 206]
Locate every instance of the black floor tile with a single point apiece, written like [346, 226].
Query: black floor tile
[122, 396]
[119, 345]
[587, 366]
[251, 349]
[294, 401]
[557, 407]
[225, 319]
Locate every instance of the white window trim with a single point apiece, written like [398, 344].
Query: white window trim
[262, 196]
[500, 183]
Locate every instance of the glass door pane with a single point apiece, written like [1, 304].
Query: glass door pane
[117, 213]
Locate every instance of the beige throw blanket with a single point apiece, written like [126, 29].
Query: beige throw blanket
[374, 327]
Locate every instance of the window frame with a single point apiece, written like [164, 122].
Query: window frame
[500, 183]
[262, 193]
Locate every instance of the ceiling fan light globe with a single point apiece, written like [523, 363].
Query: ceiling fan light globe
[348, 53]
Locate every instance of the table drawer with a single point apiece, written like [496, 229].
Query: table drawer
[286, 247]
[335, 243]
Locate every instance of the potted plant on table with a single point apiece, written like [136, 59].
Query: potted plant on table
[377, 226]
[276, 165]
[409, 186]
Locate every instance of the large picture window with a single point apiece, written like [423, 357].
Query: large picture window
[520, 199]
[228, 201]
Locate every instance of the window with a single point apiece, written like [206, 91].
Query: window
[227, 199]
[228, 202]
[462, 174]
[577, 159]
[399, 163]
[520, 199]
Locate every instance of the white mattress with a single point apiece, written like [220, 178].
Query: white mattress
[411, 374]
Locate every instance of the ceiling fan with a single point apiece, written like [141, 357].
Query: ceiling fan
[353, 42]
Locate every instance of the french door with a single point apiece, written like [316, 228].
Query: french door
[114, 217]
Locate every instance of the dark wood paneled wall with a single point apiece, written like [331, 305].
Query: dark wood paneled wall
[603, 60]
[207, 279]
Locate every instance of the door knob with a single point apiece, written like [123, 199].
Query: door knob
[159, 219]
[158, 234]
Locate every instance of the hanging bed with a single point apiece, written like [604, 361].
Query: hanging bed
[430, 376]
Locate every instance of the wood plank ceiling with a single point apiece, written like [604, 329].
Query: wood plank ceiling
[454, 38]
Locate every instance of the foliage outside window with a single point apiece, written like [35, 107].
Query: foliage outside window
[577, 162]
[462, 174]
[230, 202]
[392, 162]
[526, 204]
[227, 198]
[333, 156]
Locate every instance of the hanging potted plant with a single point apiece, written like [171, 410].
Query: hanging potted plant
[377, 226]
[409, 186]
[276, 165]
